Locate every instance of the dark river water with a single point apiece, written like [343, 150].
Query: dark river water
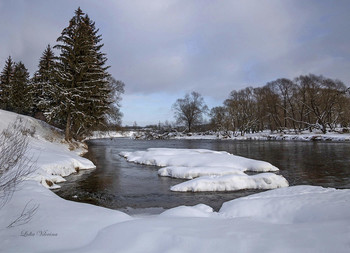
[137, 189]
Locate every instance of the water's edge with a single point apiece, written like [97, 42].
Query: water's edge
[137, 189]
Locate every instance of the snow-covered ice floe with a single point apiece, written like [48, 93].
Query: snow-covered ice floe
[232, 183]
[208, 170]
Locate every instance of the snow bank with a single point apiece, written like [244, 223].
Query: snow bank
[208, 170]
[110, 134]
[232, 183]
[192, 229]
[305, 136]
[46, 147]
[40, 129]
[57, 225]
[298, 204]
[305, 219]
[54, 161]
[265, 135]
[199, 210]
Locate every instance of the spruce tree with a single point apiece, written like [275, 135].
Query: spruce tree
[82, 77]
[6, 79]
[44, 84]
[20, 95]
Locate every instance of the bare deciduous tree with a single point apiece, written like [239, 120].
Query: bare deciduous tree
[242, 109]
[219, 118]
[113, 116]
[307, 102]
[320, 98]
[190, 109]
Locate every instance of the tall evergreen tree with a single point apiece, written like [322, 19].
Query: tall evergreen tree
[44, 83]
[6, 79]
[82, 77]
[20, 96]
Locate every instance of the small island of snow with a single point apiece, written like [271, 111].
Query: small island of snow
[209, 170]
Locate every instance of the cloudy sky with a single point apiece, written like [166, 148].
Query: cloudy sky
[162, 49]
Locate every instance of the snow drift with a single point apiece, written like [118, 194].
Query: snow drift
[305, 219]
[292, 205]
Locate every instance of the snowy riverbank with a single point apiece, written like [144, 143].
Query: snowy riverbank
[110, 134]
[262, 136]
[289, 219]
[292, 219]
[53, 157]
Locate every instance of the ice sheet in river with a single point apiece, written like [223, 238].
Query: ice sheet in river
[208, 170]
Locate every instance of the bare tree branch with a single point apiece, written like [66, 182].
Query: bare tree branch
[26, 215]
[15, 163]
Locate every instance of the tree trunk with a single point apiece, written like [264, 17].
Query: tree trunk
[285, 113]
[68, 132]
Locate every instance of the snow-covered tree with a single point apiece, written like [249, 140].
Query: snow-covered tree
[20, 95]
[83, 87]
[15, 89]
[5, 83]
[44, 86]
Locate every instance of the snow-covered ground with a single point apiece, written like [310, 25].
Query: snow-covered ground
[293, 219]
[208, 170]
[290, 135]
[46, 147]
[110, 134]
[290, 219]
[267, 135]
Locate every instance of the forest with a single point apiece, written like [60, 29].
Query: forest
[72, 91]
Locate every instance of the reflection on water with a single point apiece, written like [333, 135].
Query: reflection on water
[129, 187]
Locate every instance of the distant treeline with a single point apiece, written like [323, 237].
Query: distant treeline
[307, 102]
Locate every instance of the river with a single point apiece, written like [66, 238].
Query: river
[137, 189]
